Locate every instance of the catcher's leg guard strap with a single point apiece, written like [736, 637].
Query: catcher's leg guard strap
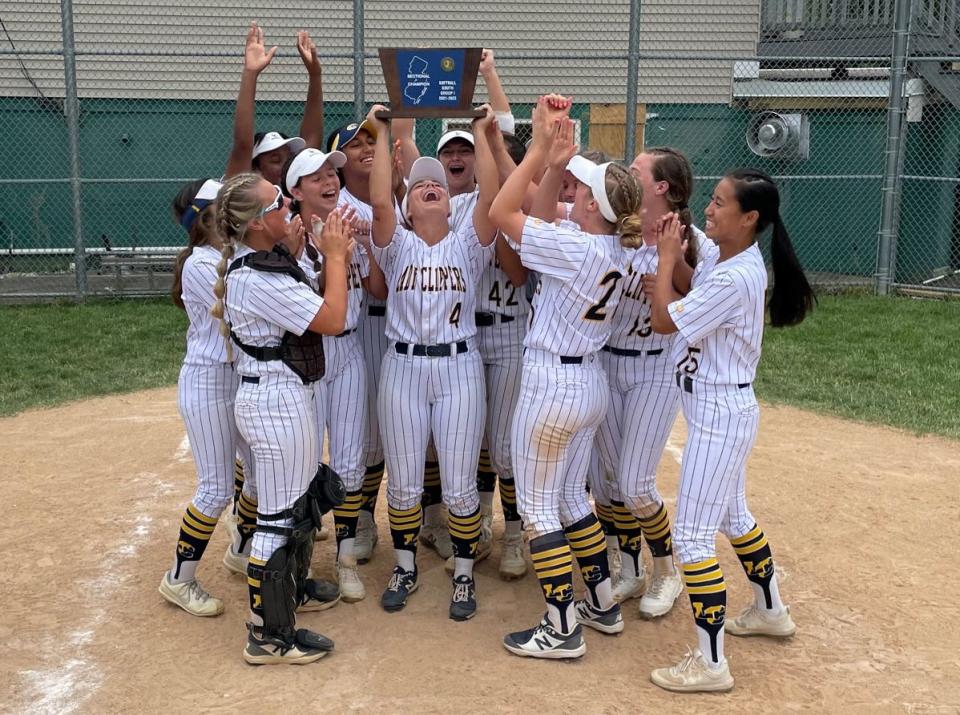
[278, 596]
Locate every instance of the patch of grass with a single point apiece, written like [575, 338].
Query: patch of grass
[893, 361]
[56, 353]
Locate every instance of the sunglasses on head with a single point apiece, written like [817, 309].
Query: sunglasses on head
[274, 205]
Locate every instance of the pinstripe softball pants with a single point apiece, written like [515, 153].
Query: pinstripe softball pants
[644, 401]
[278, 419]
[444, 396]
[205, 398]
[501, 348]
[721, 429]
[374, 345]
[558, 412]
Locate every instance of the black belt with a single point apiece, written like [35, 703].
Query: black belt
[445, 350]
[378, 311]
[686, 383]
[250, 380]
[345, 333]
[571, 360]
[485, 320]
[630, 353]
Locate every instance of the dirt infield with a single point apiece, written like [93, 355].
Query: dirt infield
[861, 520]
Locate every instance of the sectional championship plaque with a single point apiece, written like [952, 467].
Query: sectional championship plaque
[430, 82]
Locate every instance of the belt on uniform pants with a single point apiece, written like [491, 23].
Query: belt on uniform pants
[377, 310]
[445, 350]
[250, 380]
[630, 353]
[686, 383]
[345, 333]
[485, 320]
[571, 360]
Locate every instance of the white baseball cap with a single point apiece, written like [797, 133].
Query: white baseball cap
[455, 134]
[426, 168]
[310, 160]
[594, 176]
[275, 140]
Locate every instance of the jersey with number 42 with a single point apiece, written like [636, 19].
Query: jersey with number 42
[579, 286]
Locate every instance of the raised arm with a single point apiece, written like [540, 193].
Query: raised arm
[311, 127]
[495, 94]
[381, 191]
[402, 130]
[376, 283]
[486, 174]
[255, 60]
[669, 254]
[545, 205]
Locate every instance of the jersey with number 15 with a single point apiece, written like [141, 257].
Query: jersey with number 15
[579, 286]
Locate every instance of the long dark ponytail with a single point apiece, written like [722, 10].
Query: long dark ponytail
[671, 166]
[792, 297]
[199, 234]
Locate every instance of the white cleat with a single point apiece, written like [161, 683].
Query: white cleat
[661, 595]
[351, 587]
[191, 597]
[513, 564]
[235, 563]
[693, 675]
[753, 621]
[630, 587]
[367, 537]
[437, 537]
[616, 563]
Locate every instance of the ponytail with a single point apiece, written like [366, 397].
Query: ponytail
[200, 233]
[792, 297]
[670, 165]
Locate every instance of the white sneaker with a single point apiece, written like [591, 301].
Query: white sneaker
[191, 597]
[367, 537]
[630, 587]
[661, 595]
[513, 564]
[351, 587]
[437, 537]
[753, 621]
[235, 563]
[693, 675]
[616, 563]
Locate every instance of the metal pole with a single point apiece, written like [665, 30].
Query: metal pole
[359, 106]
[892, 181]
[71, 108]
[633, 69]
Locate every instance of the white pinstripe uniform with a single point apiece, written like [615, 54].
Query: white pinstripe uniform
[563, 391]
[206, 390]
[277, 416]
[431, 302]
[339, 411]
[371, 329]
[501, 344]
[644, 398]
[720, 324]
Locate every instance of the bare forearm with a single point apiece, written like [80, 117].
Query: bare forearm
[544, 205]
[664, 293]
[332, 315]
[244, 120]
[495, 94]
[311, 128]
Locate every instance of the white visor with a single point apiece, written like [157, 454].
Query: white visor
[310, 160]
[594, 176]
[423, 169]
[456, 134]
[209, 191]
[273, 140]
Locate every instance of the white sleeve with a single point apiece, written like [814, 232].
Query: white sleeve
[480, 256]
[197, 281]
[363, 260]
[553, 250]
[283, 301]
[707, 308]
[385, 256]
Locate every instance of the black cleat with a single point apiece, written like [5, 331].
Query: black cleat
[401, 585]
[463, 605]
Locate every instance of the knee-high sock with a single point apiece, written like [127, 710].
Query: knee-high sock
[196, 529]
[508, 502]
[238, 479]
[629, 537]
[656, 530]
[405, 528]
[371, 486]
[345, 518]
[465, 535]
[708, 599]
[757, 561]
[254, 577]
[486, 478]
[246, 524]
[589, 546]
[554, 566]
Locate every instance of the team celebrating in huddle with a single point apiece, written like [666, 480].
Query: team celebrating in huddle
[527, 319]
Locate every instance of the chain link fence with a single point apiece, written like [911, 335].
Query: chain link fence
[108, 106]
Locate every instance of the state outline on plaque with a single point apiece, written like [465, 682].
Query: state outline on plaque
[420, 72]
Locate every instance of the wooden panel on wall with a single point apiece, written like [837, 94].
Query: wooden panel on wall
[608, 128]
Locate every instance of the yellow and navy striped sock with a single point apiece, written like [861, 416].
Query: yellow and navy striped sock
[464, 533]
[254, 578]
[708, 598]
[195, 531]
[656, 530]
[346, 516]
[238, 479]
[757, 561]
[629, 533]
[247, 525]
[432, 491]
[508, 499]
[371, 486]
[405, 527]
[605, 515]
[553, 564]
[486, 477]
[589, 546]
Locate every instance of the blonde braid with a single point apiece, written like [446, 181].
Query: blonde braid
[626, 197]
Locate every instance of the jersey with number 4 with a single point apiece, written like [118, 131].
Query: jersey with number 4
[720, 321]
[432, 289]
[579, 286]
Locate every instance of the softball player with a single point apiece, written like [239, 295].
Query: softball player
[432, 380]
[264, 303]
[206, 390]
[719, 326]
[644, 398]
[311, 179]
[563, 391]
